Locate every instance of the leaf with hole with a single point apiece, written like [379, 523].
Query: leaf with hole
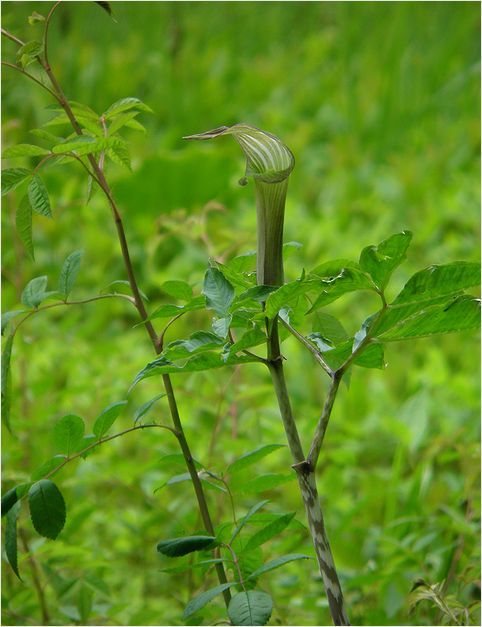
[177, 547]
[250, 608]
[47, 508]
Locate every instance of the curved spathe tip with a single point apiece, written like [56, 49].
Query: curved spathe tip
[268, 159]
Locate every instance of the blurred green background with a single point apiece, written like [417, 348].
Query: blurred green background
[380, 104]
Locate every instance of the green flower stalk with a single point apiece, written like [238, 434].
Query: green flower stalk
[270, 162]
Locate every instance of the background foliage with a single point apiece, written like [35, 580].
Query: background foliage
[380, 104]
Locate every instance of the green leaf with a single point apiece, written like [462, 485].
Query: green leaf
[128, 285]
[23, 150]
[126, 104]
[12, 496]
[9, 315]
[436, 281]
[69, 272]
[107, 418]
[329, 328]
[271, 530]
[461, 314]
[252, 337]
[35, 17]
[68, 433]
[380, 261]
[119, 153]
[169, 311]
[105, 5]
[136, 126]
[259, 293]
[276, 563]
[204, 598]
[197, 363]
[47, 508]
[34, 292]
[121, 120]
[246, 518]
[286, 294]
[233, 276]
[372, 355]
[222, 325]
[218, 291]
[29, 52]
[39, 197]
[265, 482]
[250, 608]
[253, 456]
[47, 467]
[198, 342]
[176, 547]
[84, 145]
[11, 538]
[23, 224]
[12, 178]
[7, 380]
[143, 409]
[177, 289]
[337, 280]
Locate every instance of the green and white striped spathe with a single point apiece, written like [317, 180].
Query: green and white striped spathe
[267, 158]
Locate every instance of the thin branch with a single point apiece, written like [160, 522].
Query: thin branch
[8, 35]
[322, 425]
[72, 302]
[46, 31]
[31, 77]
[316, 353]
[36, 579]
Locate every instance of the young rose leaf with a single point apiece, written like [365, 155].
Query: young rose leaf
[204, 598]
[250, 608]
[271, 530]
[12, 178]
[39, 197]
[253, 456]
[8, 315]
[29, 52]
[121, 120]
[276, 563]
[380, 261]
[23, 224]
[83, 145]
[47, 508]
[107, 418]
[47, 467]
[23, 150]
[436, 281]
[176, 547]
[11, 538]
[126, 104]
[68, 433]
[119, 153]
[69, 272]
[7, 381]
[218, 291]
[34, 292]
[35, 17]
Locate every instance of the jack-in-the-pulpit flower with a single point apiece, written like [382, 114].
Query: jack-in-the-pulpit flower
[269, 162]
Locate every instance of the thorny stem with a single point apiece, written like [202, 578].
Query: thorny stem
[139, 303]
